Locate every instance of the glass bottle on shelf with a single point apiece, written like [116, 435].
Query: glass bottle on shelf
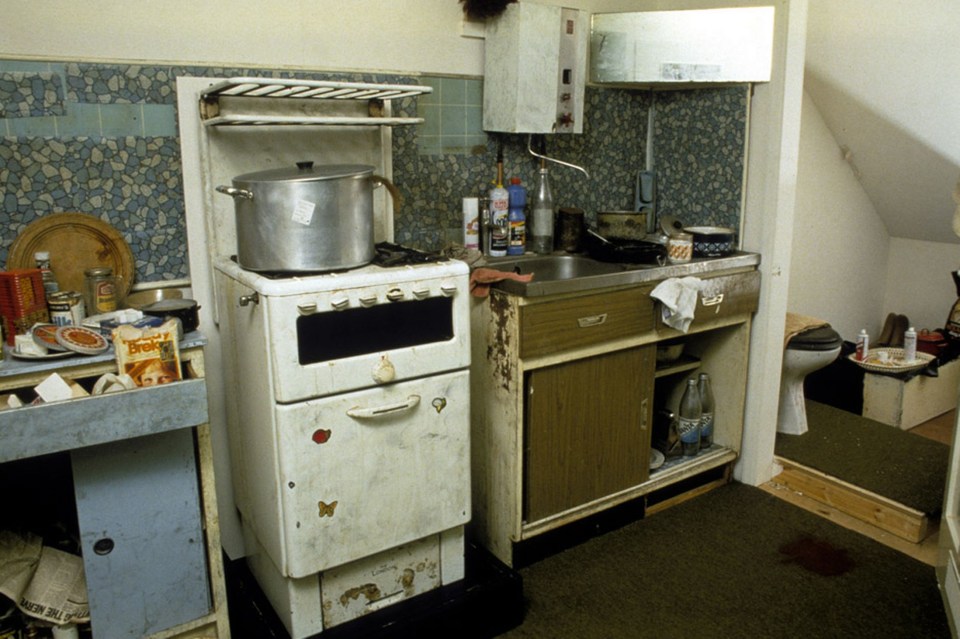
[707, 411]
[688, 422]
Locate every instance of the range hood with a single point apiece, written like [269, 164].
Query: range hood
[695, 47]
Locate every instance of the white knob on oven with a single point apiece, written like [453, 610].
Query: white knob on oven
[449, 289]
[395, 294]
[368, 299]
[421, 292]
[307, 308]
[340, 302]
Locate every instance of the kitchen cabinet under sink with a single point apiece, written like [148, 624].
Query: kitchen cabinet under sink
[583, 446]
[564, 390]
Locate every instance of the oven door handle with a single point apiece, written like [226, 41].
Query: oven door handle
[387, 409]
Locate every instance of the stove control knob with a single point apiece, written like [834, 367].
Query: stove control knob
[368, 299]
[448, 289]
[340, 302]
[395, 294]
[421, 293]
[308, 308]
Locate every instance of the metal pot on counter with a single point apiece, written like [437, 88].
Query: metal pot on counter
[308, 218]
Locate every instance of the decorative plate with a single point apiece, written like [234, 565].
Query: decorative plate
[890, 360]
[81, 340]
[46, 335]
[76, 242]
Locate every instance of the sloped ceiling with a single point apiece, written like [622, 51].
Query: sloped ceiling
[883, 75]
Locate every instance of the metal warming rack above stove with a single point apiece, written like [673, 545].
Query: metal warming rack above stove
[221, 104]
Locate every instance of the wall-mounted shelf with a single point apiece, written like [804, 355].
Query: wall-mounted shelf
[222, 104]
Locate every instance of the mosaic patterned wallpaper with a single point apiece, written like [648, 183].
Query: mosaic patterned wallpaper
[102, 139]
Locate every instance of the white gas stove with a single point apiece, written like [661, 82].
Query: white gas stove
[349, 427]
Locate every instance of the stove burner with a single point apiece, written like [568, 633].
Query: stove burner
[389, 254]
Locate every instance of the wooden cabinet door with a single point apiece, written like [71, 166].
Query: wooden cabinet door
[587, 432]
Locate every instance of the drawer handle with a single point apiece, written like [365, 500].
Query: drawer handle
[716, 300]
[387, 409]
[593, 320]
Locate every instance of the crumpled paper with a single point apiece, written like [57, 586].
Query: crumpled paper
[678, 296]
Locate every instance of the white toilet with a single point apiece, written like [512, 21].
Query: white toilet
[807, 352]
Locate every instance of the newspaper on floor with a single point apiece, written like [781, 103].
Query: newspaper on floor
[45, 583]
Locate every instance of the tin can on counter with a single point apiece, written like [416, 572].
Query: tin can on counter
[66, 308]
[101, 290]
[679, 248]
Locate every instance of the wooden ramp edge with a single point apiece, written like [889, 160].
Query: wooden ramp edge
[877, 510]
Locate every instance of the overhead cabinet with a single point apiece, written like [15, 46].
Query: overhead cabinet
[695, 47]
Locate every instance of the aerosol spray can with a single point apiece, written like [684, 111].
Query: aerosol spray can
[863, 345]
[910, 345]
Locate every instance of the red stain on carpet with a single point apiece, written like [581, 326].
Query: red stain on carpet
[818, 556]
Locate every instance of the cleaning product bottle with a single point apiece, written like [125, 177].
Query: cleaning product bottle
[471, 223]
[863, 345]
[688, 424]
[517, 220]
[541, 215]
[499, 211]
[706, 415]
[909, 345]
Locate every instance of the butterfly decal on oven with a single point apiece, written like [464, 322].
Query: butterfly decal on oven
[326, 510]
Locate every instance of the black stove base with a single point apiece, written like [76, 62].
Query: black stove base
[486, 603]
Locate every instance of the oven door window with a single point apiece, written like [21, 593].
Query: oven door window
[361, 331]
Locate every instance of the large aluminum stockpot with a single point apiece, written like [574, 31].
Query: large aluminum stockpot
[308, 218]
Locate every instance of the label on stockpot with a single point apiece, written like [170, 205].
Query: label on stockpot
[303, 212]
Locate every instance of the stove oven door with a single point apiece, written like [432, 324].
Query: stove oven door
[370, 470]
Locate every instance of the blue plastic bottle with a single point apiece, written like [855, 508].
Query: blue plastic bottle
[516, 218]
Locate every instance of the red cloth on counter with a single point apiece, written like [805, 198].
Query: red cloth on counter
[482, 278]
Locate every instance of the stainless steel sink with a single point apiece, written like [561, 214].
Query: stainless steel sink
[555, 273]
[554, 267]
[561, 273]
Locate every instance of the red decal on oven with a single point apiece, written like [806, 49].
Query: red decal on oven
[321, 435]
[326, 510]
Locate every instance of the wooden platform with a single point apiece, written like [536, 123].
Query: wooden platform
[876, 510]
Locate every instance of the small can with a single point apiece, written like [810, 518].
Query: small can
[679, 248]
[66, 308]
[101, 290]
[863, 345]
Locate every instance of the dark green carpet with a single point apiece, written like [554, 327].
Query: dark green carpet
[735, 562]
[907, 468]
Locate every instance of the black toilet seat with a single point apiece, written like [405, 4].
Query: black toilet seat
[823, 338]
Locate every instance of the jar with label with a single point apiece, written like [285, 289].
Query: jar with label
[66, 308]
[101, 290]
[679, 248]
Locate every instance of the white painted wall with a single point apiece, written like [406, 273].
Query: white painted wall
[919, 281]
[838, 270]
[400, 35]
[878, 85]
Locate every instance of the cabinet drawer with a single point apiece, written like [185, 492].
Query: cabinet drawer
[75, 423]
[581, 321]
[724, 296]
